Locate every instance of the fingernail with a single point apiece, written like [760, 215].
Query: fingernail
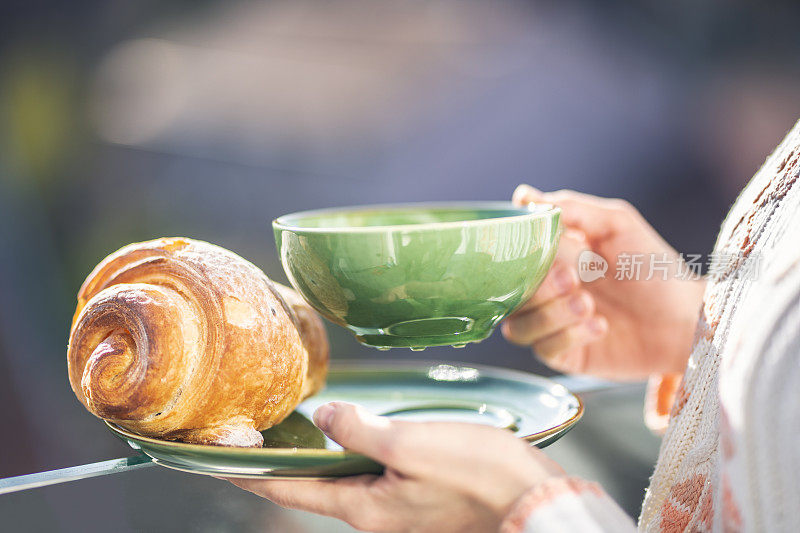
[521, 193]
[564, 280]
[577, 304]
[323, 417]
[596, 326]
[522, 189]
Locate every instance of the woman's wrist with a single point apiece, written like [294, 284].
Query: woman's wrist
[521, 476]
[566, 500]
[545, 491]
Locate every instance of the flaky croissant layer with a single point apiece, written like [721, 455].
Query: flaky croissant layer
[181, 339]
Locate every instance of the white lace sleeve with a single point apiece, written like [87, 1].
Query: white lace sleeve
[567, 505]
[760, 402]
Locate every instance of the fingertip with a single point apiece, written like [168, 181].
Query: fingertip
[560, 280]
[522, 189]
[597, 325]
[575, 235]
[548, 358]
[581, 303]
[323, 416]
[506, 331]
[565, 279]
[525, 194]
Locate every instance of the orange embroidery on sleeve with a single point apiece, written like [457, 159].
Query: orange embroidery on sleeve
[731, 517]
[678, 509]
[545, 493]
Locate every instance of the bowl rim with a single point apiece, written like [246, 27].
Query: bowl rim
[530, 211]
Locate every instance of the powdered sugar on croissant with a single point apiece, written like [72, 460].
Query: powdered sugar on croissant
[181, 339]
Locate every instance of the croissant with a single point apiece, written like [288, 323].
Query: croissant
[183, 340]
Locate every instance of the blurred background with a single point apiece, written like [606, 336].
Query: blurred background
[126, 120]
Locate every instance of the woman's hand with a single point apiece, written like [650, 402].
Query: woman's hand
[439, 476]
[614, 328]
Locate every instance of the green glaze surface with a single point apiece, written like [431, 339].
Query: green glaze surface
[534, 408]
[418, 275]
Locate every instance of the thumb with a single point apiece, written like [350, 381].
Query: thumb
[525, 194]
[355, 428]
[596, 217]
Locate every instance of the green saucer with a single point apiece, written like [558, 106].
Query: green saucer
[534, 408]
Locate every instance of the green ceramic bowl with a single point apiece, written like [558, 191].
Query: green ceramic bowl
[418, 275]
